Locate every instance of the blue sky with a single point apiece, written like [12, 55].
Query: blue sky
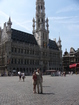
[63, 18]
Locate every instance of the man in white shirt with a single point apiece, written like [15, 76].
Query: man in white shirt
[39, 81]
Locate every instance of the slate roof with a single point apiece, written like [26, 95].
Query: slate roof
[30, 39]
[23, 37]
[53, 45]
[77, 51]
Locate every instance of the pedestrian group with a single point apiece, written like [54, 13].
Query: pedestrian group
[21, 75]
[37, 81]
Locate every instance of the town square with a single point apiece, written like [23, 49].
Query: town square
[39, 52]
[57, 90]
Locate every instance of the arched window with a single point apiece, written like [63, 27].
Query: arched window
[27, 70]
[21, 61]
[38, 20]
[42, 20]
[41, 8]
[12, 49]
[15, 50]
[25, 61]
[18, 50]
[15, 61]
[43, 35]
[12, 61]
[38, 8]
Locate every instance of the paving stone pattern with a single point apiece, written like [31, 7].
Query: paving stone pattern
[56, 91]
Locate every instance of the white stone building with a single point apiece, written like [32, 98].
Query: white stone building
[20, 51]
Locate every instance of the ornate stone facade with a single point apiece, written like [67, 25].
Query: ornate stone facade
[70, 58]
[20, 51]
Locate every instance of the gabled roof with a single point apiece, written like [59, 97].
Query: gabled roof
[77, 51]
[53, 45]
[72, 50]
[30, 39]
[23, 37]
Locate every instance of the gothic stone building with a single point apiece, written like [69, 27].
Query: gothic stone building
[21, 51]
[69, 58]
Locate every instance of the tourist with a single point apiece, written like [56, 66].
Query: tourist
[34, 77]
[39, 81]
[19, 73]
[23, 76]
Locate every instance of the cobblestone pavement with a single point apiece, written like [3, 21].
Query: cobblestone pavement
[56, 91]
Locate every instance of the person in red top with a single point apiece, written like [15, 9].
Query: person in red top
[34, 81]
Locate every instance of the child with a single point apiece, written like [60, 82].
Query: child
[34, 81]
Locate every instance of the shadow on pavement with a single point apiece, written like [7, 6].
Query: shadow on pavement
[48, 93]
[46, 86]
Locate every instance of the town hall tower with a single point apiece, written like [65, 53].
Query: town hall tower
[40, 26]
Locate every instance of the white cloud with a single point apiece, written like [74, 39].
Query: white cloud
[65, 20]
[74, 28]
[68, 9]
[3, 14]
[26, 22]
[14, 21]
[21, 25]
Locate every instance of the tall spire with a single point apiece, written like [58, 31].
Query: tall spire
[9, 23]
[40, 25]
[33, 25]
[59, 44]
[40, 14]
